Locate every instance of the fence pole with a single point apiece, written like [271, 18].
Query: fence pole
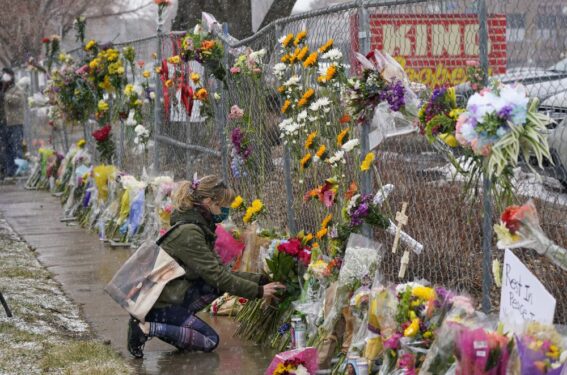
[27, 114]
[364, 42]
[222, 117]
[278, 29]
[157, 103]
[486, 191]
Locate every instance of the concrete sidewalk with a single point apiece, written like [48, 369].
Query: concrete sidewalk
[83, 265]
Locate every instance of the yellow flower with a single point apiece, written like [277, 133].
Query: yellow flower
[455, 113]
[129, 89]
[299, 38]
[285, 58]
[341, 138]
[412, 329]
[281, 89]
[367, 162]
[248, 216]
[154, 55]
[94, 63]
[81, 143]
[146, 74]
[321, 233]
[195, 77]
[305, 98]
[174, 59]
[285, 106]
[304, 162]
[106, 84]
[102, 106]
[287, 40]
[112, 54]
[423, 292]
[308, 237]
[158, 69]
[116, 68]
[202, 94]
[427, 335]
[309, 140]
[326, 221]
[311, 60]
[138, 103]
[449, 139]
[90, 45]
[304, 51]
[321, 152]
[237, 202]
[327, 46]
[168, 83]
[257, 205]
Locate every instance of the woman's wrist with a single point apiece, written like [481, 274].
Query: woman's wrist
[263, 280]
[260, 291]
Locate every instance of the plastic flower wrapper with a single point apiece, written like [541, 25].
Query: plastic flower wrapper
[519, 227]
[541, 350]
[481, 351]
[226, 246]
[289, 362]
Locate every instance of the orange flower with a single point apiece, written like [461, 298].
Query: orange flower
[325, 47]
[322, 233]
[304, 51]
[202, 94]
[322, 152]
[285, 106]
[281, 89]
[168, 83]
[342, 137]
[299, 38]
[352, 189]
[345, 119]
[284, 58]
[310, 139]
[287, 40]
[311, 60]
[326, 221]
[305, 161]
[305, 98]
[329, 74]
[207, 44]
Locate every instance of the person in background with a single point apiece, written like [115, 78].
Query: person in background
[12, 131]
[199, 206]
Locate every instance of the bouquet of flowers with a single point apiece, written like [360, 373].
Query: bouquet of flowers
[294, 362]
[418, 313]
[259, 320]
[249, 63]
[361, 209]
[438, 116]
[482, 352]
[541, 350]
[104, 143]
[200, 46]
[519, 227]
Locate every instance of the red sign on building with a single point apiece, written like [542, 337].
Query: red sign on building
[434, 49]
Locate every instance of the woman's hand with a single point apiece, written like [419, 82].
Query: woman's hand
[271, 289]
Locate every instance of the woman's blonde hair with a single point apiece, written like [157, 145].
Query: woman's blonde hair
[190, 193]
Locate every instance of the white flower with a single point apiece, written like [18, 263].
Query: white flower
[197, 29]
[352, 202]
[322, 103]
[279, 70]
[138, 90]
[350, 145]
[130, 120]
[141, 130]
[217, 96]
[402, 287]
[292, 81]
[258, 55]
[301, 370]
[313, 118]
[302, 116]
[152, 95]
[337, 157]
[281, 39]
[333, 55]
[130, 183]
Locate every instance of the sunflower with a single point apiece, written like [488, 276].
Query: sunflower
[281, 89]
[237, 203]
[305, 161]
[146, 74]
[174, 59]
[329, 74]
[305, 98]
[195, 77]
[285, 58]
[326, 221]
[310, 139]
[311, 60]
[304, 51]
[342, 137]
[300, 37]
[322, 152]
[202, 94]
[327, 46]
[321, 233]
[169, 83]
[285, 106]
[287, 40]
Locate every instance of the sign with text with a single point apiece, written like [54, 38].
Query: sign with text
[434, 48]
[524, 298]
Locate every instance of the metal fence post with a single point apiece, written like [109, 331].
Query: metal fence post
[486, 190]
[364, 41]
[157, 104]
[287, 170]
[222, 117]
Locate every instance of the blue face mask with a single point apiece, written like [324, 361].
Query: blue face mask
[222, 216]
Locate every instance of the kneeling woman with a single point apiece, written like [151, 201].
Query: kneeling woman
[198, 207]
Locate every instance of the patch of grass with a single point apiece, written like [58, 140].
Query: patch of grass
[22, 272]
[17, 335]
[83, 357]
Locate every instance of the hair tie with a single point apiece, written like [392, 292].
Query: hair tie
[195, 183]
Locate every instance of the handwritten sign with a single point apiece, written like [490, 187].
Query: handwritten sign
[524, 298]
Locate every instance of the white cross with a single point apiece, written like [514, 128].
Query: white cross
[401, 219]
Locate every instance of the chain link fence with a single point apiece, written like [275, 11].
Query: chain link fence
[433, 40]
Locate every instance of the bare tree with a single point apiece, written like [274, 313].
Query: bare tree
[26, 22]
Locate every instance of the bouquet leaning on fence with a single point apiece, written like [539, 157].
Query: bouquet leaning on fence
[519, 227]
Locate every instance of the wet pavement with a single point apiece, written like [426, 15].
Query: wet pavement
[83, 265]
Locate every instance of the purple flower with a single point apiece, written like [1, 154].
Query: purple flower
[394, 95]
[237, 139]
[505, 112]
[393, 342]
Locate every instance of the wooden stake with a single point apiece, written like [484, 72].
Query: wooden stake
[404, 264]
[401, 219]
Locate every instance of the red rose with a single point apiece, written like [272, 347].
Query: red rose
[291, 247]
[305, 256]
[45, 40]
[102, 134]
[514, 216]
[242, 301]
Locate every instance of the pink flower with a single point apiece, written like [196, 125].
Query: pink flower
[162, 232]
[235, 70]
[235, 112]
[472, 63]
[82, 70]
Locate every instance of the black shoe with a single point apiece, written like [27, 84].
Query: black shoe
[136, 338]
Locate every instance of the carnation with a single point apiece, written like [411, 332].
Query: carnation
[350, 145]
[334, 55]
[102, 134]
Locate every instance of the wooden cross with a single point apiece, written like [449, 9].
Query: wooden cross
[401, 219]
